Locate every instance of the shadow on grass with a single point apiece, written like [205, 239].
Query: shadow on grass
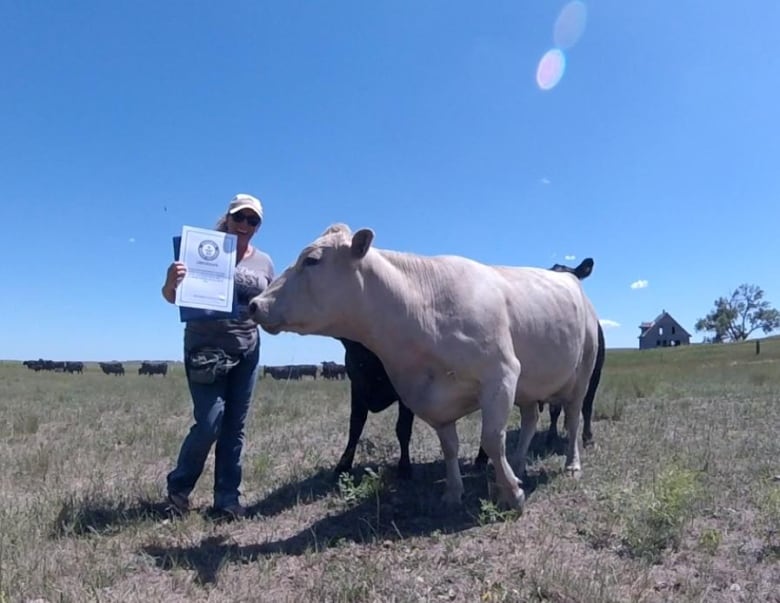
[396, 511]
[324, 482]
[315, 487]
[89, 517]
[95, 516]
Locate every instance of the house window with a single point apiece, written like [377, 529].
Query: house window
[673, 331]
[660, 330]
[657, 342]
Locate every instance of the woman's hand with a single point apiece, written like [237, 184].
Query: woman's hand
[173, 277]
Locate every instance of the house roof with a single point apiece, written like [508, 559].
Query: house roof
[646, 326]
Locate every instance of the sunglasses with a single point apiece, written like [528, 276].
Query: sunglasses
[251, 220]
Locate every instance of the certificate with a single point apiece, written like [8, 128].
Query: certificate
[210, 258]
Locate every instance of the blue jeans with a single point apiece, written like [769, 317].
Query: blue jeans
[220, 410]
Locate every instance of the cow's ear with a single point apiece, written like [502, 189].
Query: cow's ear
[585, 268]
[361, 242]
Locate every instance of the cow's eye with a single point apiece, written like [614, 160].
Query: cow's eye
[311, 261]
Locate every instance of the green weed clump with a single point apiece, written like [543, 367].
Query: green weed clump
[352, 493]
[490, 512]
[658, 514]
[710, 540]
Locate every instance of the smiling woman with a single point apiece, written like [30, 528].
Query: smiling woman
[221, 359]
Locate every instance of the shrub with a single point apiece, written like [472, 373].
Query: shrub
[658, 514]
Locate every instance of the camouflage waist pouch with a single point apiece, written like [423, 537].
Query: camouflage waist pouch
[206, 365]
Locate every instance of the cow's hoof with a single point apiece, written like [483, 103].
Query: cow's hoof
[587, 441]
[405, 472]
[574, 471]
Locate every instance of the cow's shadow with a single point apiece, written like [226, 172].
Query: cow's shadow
[395, 510]
[89, 518]
[319, 485]
[324, 482]
[398, 510]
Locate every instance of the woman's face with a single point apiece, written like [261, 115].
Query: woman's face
[244, 224]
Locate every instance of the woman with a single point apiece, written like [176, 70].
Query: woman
[221, 360]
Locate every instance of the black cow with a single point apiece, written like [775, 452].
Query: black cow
[271, 371]
[371, 390]
[112, 368]
[333, 370]
[153, 368]
[286, 371]
[291, 371]
[74, 367]
[45, 365]
[305, 370]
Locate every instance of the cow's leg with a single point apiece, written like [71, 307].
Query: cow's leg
[448, 437]
[573, 408]
[403, 430]
[587, 415]
[572, 422]
[529, 416]
[357, 421]
[496, 405]
[552, 432]
[590, 395]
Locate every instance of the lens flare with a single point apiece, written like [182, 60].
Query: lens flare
[550, 69]
[570, 24]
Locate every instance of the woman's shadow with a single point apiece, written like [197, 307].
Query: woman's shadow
[103, 517]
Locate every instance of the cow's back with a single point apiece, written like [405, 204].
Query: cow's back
[453, 320]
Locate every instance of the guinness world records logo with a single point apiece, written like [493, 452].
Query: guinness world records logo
[208, 250]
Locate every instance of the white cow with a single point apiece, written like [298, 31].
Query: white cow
[454, 335]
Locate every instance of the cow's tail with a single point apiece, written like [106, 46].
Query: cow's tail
[595, 377]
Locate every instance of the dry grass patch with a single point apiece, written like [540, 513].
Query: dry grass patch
[677, 499]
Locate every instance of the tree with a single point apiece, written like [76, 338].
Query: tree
[736, 317]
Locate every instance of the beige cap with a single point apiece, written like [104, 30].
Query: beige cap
[242, 201]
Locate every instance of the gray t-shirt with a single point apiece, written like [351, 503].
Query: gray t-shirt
[239, 335]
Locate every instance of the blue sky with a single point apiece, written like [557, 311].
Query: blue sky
[656, 153]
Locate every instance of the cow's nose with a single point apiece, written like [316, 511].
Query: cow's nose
[252, 307]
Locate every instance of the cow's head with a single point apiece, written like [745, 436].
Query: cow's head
[319, 291]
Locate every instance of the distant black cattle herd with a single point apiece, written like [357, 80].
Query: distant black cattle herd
[329, 370]
[59, 366]
[108, 368]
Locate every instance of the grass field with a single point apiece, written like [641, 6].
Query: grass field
[679, 499]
